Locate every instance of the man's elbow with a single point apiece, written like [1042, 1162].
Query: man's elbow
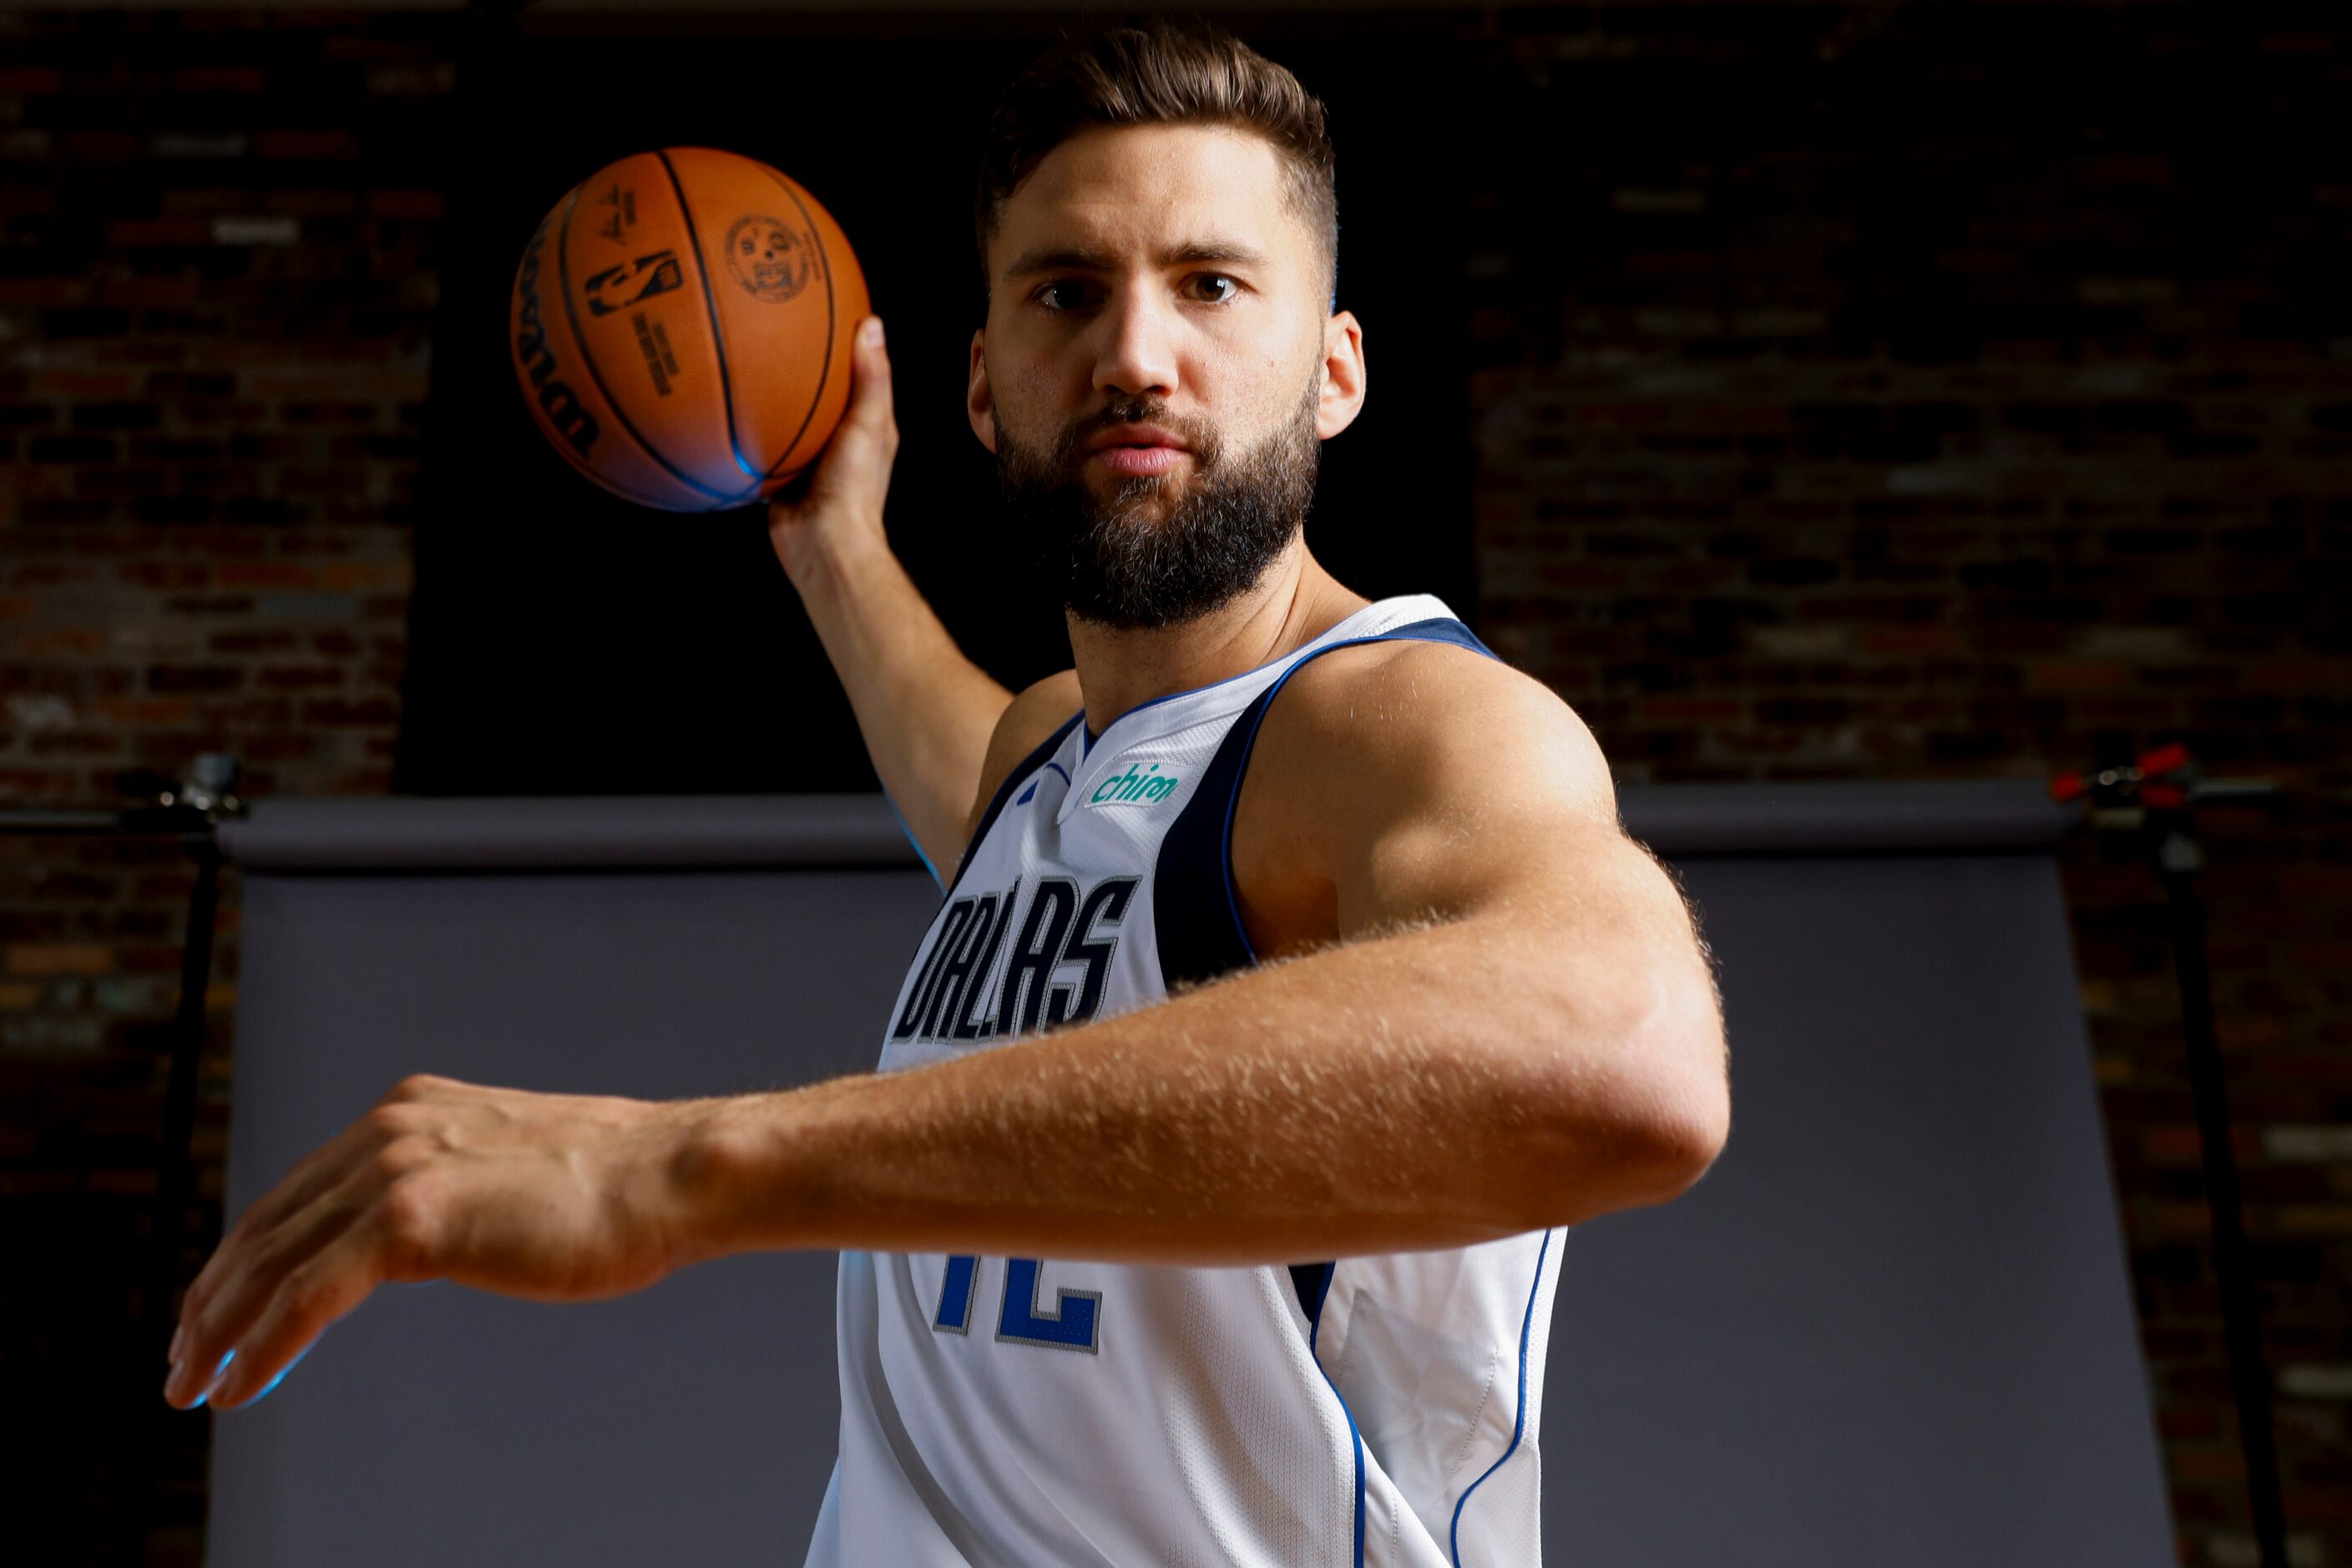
[1662, 1122]
[1691, 1138]
[1680, 1039]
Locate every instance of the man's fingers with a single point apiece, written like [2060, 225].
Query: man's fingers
[318, 1174]
[367, 1207]
[309, 1299]
[865, 441]
[869, 427]
[322, 1171]
[853, 471]
[869, 395]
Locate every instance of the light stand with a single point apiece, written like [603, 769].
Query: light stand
[190, 811]
[2157, 801]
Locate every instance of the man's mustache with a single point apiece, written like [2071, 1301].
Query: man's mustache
[1198, 437]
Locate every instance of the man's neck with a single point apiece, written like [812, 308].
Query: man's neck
[1296, 602]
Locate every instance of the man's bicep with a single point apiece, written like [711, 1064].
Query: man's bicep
[1502, 817]
[1482, 809]
[1479, 788]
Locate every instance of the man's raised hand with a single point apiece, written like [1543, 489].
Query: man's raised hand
[556, 1198]
[839, 508]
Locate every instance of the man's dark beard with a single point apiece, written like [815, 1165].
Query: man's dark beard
[1116, 564]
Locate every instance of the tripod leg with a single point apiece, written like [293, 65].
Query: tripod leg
[175, 1179]
[2242, 1322]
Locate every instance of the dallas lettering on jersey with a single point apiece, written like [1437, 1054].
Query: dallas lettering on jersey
[973, 985]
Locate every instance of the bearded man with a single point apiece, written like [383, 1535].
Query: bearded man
[1295, 987]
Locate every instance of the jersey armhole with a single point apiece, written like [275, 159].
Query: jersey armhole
[1196, 911]
[1019, 774]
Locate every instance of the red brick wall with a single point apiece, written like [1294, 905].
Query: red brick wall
[1935, 390]
[1859, 392]
[215, 303]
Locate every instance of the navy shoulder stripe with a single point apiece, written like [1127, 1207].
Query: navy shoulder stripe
[1013, 780]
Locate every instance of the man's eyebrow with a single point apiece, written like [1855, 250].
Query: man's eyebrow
[1079, 259]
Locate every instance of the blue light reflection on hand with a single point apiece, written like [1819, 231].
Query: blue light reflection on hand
[282, 1371]
[215, 1380]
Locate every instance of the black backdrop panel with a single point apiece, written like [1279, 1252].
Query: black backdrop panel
[1891, 1329]
[567, 642]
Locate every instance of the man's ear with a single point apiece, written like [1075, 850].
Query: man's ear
[979, 405]
[1343, 397]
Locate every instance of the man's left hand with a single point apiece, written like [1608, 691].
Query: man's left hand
[555, 1198]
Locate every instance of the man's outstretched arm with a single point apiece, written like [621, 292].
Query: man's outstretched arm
[1521, 1030]
[925, 709]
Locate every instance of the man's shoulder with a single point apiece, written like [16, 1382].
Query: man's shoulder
[1404, 694]
[1037, 712]
[1387, 753]
[1364, 734]
[1033, 715]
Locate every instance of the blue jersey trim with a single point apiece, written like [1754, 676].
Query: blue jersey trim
[1314, 1329]
[1192, 691]
[1322, 1294]
[1021, 770]
[1519, 1423]
[1093, 739]
[912, 840]
[1357, 1438]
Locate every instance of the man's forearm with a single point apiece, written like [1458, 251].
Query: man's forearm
[925, 709]
[1433, 1089]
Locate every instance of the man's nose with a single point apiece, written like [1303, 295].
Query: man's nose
[1137, 355]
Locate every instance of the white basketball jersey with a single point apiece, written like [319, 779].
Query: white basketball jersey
[1036, 1412]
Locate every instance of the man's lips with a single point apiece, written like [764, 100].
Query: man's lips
[1136, 450]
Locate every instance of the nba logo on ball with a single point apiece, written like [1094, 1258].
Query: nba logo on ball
[768, 258]
[671, 378]
[632, 283]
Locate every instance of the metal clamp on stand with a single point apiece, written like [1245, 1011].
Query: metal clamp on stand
[2156, 799]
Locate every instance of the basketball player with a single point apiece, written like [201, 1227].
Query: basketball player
[1294, 990]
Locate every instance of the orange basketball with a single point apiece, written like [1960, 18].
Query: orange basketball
[681, 326]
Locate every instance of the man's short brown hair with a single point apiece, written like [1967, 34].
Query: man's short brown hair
[1161, 74]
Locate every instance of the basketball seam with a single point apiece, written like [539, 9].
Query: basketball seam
[832, 309]
[586, 469]
[717, 332]
[571, 459]
[587, 472]
[572, 320]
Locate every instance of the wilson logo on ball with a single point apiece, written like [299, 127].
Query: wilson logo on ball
[632, 282]
[557, 401]
[768, 258]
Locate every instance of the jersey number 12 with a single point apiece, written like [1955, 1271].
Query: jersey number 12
[1072, 1325]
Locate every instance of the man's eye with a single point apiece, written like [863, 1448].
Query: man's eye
[1215, 287]
[1066, 295]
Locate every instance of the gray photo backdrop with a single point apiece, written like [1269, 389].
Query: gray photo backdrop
[1892, 1327]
